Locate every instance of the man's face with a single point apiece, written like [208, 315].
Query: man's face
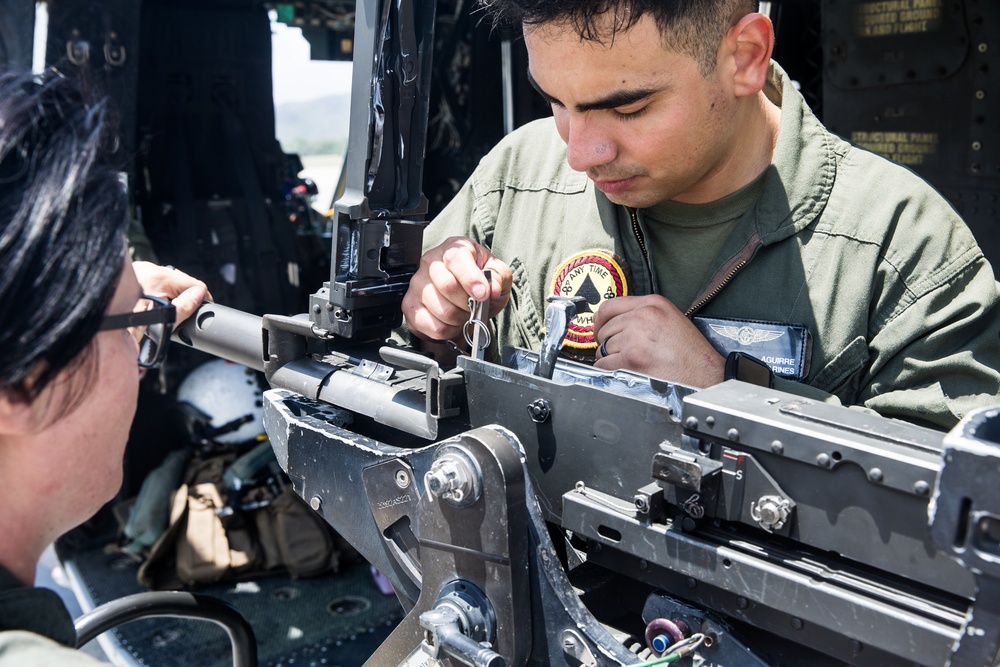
[641, 120]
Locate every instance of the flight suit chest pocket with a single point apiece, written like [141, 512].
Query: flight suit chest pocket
[842, 375]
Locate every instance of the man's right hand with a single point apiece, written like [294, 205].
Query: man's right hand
[436, 305]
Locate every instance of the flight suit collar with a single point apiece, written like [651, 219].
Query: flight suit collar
[38, 610]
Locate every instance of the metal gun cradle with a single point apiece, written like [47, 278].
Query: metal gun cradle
[525, 520]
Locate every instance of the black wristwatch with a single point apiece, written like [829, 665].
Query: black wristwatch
[745, 368]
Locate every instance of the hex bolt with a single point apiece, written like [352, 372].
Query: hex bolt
[539, 410]
[770, 512]
[454, 477]
[642, 503]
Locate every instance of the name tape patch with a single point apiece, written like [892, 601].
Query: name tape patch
[786, 348]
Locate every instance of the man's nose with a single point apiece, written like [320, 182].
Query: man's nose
[588, 145]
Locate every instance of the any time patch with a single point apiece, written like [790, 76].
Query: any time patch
[595, 275]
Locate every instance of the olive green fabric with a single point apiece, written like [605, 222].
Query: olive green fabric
[901, 303]
[36, 630]
[674, 228]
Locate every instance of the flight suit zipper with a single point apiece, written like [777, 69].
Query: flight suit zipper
[726, 273]
[641, 239]
[722, 276]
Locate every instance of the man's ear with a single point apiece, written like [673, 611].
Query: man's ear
[18, 413]
[749, 44]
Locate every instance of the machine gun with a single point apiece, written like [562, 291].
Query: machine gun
[539, 512]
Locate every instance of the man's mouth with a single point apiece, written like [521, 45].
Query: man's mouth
[613, 186]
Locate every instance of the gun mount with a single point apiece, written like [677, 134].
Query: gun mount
[582, 516]
[540, 512]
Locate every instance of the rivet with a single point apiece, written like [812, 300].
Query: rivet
[922, 487]
[402, 479]
[733, 435]
[823, 459]
[983, 47]
[691, 423]
[797, 623]
[742, 602]
[977, 145]
[691, 583]
[875, 475]
[710, 421]
[315, 502]
[777, 447]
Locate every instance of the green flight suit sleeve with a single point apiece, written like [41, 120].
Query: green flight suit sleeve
[949, 363]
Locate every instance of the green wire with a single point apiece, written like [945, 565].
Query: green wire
[663, 660]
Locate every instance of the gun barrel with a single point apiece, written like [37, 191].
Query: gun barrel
[226, 333]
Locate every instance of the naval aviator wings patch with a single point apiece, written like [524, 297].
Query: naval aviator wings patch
[595, 275]
[746, 335]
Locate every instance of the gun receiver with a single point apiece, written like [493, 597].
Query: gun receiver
[786, 530]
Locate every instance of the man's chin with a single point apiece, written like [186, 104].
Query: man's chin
[631, 199]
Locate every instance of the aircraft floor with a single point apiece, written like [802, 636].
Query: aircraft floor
[334, 620]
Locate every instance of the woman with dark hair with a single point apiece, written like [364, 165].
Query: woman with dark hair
[75, 317]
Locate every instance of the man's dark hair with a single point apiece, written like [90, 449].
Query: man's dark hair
[63, 216]
[692, 27]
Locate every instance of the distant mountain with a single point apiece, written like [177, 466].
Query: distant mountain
[314, 127]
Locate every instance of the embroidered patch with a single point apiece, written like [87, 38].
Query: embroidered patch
[786, 348]
[596, 275]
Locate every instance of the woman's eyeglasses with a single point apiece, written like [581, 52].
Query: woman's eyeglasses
[150, 325]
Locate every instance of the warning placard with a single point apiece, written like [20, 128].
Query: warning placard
[909, 148]
[897, 17]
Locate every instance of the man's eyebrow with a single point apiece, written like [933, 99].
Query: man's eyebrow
[619, 98]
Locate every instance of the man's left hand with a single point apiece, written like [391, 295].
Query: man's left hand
[650, 335]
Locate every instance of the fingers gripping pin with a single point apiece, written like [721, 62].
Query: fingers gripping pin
[476, 332]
